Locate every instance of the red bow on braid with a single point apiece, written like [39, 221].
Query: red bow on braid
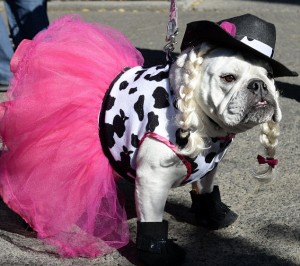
[270, 161]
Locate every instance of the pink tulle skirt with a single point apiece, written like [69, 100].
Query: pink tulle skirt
[53, 172]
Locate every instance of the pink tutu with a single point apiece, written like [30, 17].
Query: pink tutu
[53, 172]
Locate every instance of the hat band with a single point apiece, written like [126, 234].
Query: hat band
[258, 46]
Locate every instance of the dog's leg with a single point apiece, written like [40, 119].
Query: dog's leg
[158, 170]
[209, 210]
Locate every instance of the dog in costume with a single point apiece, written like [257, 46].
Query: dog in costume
[82, 109]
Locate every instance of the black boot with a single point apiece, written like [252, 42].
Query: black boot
[210, 211]
[154, 247]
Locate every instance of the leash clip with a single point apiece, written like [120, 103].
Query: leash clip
[171, 41]
[172, 31]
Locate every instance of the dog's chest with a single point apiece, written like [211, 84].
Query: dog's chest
[140, 104]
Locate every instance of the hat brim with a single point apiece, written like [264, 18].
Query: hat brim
[201, 31]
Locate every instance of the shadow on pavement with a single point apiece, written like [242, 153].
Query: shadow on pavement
[12, 222]
[153, 57]
[228, 251]
[287, 90]
[237, 251]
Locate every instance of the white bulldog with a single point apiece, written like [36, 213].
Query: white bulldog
[228, 94]
[220, 91]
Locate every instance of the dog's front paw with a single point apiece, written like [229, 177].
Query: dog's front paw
[154, 247]
[210, 211]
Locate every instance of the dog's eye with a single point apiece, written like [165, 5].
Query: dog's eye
[228, 78]
[270, 75]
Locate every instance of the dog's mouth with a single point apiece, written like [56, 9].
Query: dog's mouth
[260, 111]
[261, 104]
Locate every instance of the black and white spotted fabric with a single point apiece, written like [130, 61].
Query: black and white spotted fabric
[140, 104]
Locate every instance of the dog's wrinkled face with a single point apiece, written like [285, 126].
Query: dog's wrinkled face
[236, 92]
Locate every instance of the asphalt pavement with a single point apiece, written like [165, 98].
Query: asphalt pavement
[267, 231]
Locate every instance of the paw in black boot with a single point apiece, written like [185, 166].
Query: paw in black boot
[154, 247]
[210, 211]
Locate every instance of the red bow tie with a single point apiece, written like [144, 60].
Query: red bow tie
[270, 161]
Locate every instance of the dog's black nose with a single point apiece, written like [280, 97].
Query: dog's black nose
[258, 87]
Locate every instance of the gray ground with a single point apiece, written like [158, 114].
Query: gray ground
[267, 231]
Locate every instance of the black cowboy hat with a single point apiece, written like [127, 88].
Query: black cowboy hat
[246, 33]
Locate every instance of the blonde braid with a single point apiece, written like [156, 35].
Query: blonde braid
[269, 139]
[187, 77]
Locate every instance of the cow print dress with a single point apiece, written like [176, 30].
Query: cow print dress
[140, 103]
